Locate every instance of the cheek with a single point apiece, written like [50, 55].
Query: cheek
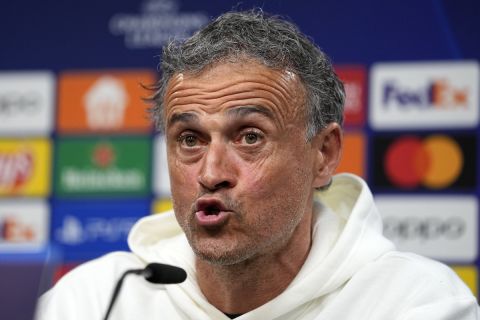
[181, 175]
[257, 178]
[279, 184]
[274, 203]
[182, 185]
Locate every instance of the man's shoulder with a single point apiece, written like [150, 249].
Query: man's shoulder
[417, 275]
[405, 286]
[108, 266]
[416, 265]
[84, 292]
[100, 273]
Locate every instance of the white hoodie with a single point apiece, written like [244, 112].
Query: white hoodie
[352, 272]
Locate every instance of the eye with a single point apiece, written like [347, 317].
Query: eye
[251, 138]
[188, 140]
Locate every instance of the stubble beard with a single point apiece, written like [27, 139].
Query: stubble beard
[207, 244]
[244, 247]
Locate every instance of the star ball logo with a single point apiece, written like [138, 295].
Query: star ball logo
[433, 162]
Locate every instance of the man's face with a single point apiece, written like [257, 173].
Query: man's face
[241, 170]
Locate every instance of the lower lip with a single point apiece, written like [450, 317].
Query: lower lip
[211, 220]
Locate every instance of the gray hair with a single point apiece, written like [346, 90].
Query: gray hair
[270, 40]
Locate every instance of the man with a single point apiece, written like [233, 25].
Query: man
[252, 114]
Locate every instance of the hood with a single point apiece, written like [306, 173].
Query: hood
[148, 234]
[347, 235]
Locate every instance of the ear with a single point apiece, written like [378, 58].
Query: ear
[328, 145]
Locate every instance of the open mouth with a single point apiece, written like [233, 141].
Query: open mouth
[211, 213]
[210, 206]
[212, 210]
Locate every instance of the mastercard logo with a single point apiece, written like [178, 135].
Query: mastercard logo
[435, 161]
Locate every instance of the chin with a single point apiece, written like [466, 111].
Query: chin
[221, 254]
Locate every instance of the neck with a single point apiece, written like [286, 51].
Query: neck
[245, 286]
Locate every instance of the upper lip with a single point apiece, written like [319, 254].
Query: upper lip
[207, 204]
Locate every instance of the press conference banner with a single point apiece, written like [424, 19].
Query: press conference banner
[80, 160]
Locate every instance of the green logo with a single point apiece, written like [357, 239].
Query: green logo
[103, 166]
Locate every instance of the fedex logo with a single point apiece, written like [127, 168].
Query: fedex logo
[437, 94]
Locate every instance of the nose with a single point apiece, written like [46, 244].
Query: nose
[217, 170]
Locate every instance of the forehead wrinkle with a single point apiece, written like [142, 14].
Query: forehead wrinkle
[218, 91]
[270, 106]
[281, 89]
[173, 96]
[283, 78]
[238, 91]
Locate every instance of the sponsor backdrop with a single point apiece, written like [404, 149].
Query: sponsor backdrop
[80, 161]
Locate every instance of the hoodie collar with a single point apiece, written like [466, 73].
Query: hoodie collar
[347, 235]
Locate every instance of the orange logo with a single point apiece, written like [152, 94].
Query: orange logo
[103, 102]
[353, 157]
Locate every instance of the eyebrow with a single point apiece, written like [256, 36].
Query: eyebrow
[246, 110]
[182, 117]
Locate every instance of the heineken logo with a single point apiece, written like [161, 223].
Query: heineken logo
[99, 180]
[116, 166]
